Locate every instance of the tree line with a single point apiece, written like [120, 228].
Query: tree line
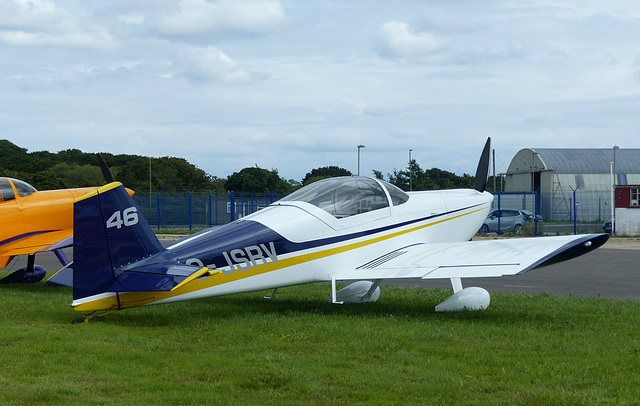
[73, 168]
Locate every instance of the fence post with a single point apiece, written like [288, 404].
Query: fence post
[599, 209]
[210, 209]
[160, 212]
[232, 199]
[535, 212]
[271, 196]
[190, 212]
[499, 215]
[575, 210]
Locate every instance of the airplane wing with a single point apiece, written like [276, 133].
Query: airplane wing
[34, 242]
[468, 259]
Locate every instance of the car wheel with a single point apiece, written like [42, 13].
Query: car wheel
[517, 229]
[484, 229]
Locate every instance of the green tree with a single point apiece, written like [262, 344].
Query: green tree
[258, 181]
[324, 172]
[46, 180]
[167, 174]
[414, 178]
[75, 175]
[13, 158]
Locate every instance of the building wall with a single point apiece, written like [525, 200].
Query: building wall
[627, 216]
[628, 221]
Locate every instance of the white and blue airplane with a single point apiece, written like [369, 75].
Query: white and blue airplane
[338, 229]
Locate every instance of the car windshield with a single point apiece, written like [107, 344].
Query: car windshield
[343, 196]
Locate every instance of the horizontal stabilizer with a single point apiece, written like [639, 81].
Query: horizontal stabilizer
[164, 277]
[476, 259]
[63, 277]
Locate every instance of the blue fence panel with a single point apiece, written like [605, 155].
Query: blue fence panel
[195, 211]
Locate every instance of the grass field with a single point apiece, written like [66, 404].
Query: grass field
[299, 349]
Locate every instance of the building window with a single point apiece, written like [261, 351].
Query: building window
[635, 197]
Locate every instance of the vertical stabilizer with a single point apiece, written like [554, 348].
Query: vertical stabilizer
[482, 172]
[109, 232]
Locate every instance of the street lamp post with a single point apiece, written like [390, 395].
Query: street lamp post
[359, 146]
[614, 182]
[615, 172]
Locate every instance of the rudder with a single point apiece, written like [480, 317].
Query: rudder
[109, 232]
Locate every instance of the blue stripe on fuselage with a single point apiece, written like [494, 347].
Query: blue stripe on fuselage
[214, 246]
[23, 236]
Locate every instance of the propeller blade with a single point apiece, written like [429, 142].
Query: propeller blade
[482, 173]
[106, 172]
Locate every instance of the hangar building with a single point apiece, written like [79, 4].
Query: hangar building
[556, 172]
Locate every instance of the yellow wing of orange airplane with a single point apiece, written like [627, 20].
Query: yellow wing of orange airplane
[33, 221]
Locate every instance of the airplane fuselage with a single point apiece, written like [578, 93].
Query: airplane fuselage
[295, 242]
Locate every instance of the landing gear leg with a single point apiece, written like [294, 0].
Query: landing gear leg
[86, 317]
[31, 273]
[272, 295]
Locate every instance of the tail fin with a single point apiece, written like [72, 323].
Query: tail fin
[482, 172]
[109, 232]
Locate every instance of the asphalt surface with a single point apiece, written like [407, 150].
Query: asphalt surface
[608, 273]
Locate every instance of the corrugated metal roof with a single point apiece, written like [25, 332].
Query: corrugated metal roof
[586, 160]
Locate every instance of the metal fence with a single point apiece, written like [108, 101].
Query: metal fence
[191, 210]
[583, 207]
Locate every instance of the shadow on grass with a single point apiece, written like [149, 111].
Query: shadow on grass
[38, 302]
[308, 301]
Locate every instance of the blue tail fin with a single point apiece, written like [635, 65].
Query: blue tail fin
[109, 232]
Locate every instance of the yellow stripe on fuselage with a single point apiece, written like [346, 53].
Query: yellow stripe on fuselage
[136, 299]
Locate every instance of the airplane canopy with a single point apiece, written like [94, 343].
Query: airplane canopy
[347, 196]
[22, 188]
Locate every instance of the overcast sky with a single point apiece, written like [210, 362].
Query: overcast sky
[296, 85]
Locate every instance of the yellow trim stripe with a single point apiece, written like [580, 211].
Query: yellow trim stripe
[135, 299]
[191, 277]
[99, 190]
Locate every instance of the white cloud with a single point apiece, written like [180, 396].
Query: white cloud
[399, 40]
[208, 65]
[300, 79]
[41, 23]
[194, 17]
[31, 15]
[70, 78]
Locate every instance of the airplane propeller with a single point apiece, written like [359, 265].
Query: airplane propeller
[106, 172]
[482, 173]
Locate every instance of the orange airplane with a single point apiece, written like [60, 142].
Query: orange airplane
[34, 221]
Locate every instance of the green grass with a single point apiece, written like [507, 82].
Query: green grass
[299, 349]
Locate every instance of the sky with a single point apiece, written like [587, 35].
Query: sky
[295, 85]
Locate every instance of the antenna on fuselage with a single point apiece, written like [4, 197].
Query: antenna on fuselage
[482, 173]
